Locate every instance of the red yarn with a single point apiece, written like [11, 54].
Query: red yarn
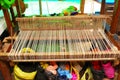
[96, 65]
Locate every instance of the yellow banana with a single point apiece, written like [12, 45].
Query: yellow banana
[24, 75]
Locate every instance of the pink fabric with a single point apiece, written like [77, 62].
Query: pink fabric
[109, 70]
[74, 76]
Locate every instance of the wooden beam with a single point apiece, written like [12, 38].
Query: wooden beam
[17, 4]
[102, 10]
[82, 4]
[4, 68]
[115, 17]
[118, 78]
[13, 15]
[110, 36]
[8, 21]
[40, 7]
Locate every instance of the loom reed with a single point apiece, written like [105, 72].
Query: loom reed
[62, 38]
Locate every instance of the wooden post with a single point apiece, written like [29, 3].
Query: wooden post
[18, 8]
[115, 17]
[102, 11]
[118, 76]
[82, 4]
[40, 7]
[8, 21]
[5, 71]
[13, 15]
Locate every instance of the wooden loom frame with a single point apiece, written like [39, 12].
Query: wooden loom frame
[115, 17]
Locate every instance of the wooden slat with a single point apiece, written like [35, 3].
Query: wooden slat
[8, 21]
[110, 36]
[82, 5]
[4, 68]
[66, 22]
[63, 60]
[4, 56]
[61, 56]
[102, 10]
[115, 18]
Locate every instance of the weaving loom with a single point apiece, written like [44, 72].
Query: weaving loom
[62, 39]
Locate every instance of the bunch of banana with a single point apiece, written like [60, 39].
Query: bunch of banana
[20, 75]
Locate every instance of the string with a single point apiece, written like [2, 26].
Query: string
[80, 48]
[47, 6]
[81, 39]
[109, 44]
[75, 42]
[54, 43]
[24, 37]
[15, 45]
[88, 39]
[95, 44]
[63, 43]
